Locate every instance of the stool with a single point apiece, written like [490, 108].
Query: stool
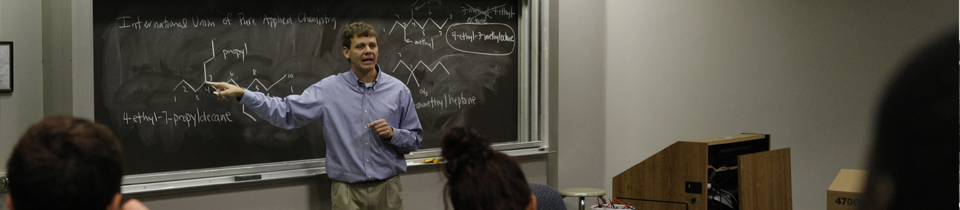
[582, 192]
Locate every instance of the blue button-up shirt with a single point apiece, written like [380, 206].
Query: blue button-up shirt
[346, 105]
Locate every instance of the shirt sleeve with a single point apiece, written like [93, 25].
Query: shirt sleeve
[288, 112]
[408, 133]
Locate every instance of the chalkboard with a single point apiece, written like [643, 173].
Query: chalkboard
[459, 58]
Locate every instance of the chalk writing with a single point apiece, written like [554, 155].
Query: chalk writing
[411, 69]
[244, 21]
[447, 101]
[227, 20]
[484, 14]
[243, 108]
[213, 55]
[424, 42]
[460, 35]
[241, 53]
[424, 92]
[452, 99]
[165, 117]
[198, 23]
[492, 36]
[414, 22]
[273, 21]
[476, 20]
[183, 23]
[431, 103]
[303, 18]
[256, 84]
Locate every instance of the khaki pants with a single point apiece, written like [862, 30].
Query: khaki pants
[385, 194]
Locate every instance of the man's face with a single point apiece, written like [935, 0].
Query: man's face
[362, 53]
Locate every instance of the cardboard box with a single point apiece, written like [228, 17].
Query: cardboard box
[847, 189]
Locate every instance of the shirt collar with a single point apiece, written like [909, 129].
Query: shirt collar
[352, 78]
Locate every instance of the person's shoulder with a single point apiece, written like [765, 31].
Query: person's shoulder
[387, 78]
[326, 84]
[330, 80]
[392, 82]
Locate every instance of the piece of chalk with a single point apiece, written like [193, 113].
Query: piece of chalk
[247, 177]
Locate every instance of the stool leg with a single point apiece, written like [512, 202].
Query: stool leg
[581, 203]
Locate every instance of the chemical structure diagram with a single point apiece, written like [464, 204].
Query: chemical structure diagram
[411, 69]
[413, 23]
[255, 85]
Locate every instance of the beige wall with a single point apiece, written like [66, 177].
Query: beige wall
[808, 73]
[20, 23]
[57, 61]
[581, 112]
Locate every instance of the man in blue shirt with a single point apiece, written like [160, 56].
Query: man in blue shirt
[369, 123]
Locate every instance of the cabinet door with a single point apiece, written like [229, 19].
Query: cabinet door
[765, 180]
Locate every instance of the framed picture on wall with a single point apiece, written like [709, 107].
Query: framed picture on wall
[6, 67]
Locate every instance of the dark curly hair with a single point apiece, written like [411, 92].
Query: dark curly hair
[479, 177]
[65, 163]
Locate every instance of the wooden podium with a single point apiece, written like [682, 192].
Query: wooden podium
[677, 177]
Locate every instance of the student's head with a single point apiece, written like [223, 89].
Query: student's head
[480, 178]
[65, 163]
[360, 46]
[914, 134]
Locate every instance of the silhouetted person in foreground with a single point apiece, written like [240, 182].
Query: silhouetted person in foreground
[914, 134]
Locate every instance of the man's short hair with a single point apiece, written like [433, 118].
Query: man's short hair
[65, 163]
[357, 29]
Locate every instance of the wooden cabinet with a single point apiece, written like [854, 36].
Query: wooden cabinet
[692, 173]
[643, 205]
